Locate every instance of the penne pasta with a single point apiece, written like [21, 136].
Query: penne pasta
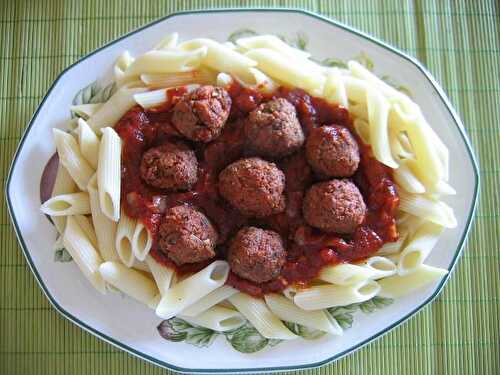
[63, 184]
[211, 299]
[324, 296]
[84, 111]
[286, 310]
[400, 285]
[428, 209]
[279, 67]
[345, 274]
[105, 229]
[274, 43]
[131, 282]
[380, 266]
[161, 274]
[141, 266]
[87, 228]
[121, 65]
[355, 90]
[150, 99]
[89, 142]
[193, 288]
[114, 109]
[334, 89]
[109, 174]
[362, 130]
[202, 76]
[392, 247]
[220, 57]
[419, 248]
[406, 180]
[142, 240]
[67, 204]
[220, 319]
[72, 159]
[168, 42]
[83, 253]
[264, 321]
[258, 81]
[123, 241]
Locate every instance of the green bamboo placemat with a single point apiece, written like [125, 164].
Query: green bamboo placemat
[459, 42]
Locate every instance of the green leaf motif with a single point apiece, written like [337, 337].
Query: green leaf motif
[241, 33]
[166, 330]
[333, 62]
[247, 339]
[103, 94]
[62, 255]
[86, 94]
[201, 336]
[302, 41]
[365, 60]
[381, 302]
[176, 329]
[344, 320]
[405, 90]
[304, 332]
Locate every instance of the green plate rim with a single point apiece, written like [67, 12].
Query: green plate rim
[355, 347]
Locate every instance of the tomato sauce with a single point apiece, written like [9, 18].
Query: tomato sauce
[308, 249]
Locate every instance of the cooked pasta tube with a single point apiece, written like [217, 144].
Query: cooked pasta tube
[286, 310]
[142, 240]
[324, 296]
[63, 184]
[218, 318]
[109, 173]
[345, 274]
[168, 42]
[89, 142]
[264, 321]
[334, 89]
[427, 208]
[131, 282]
[123, 241]
[400, 285]
[83, 253]
[67, 204]
[381, 266]
[85, 110]
[86, 226]
[274, 43]
[192, 289]
[161, 274]
[202, 76]
[72, 159]
[211, 299]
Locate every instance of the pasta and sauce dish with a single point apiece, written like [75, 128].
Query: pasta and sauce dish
[225, 183]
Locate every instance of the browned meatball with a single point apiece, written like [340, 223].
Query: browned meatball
[171, 166]
[332, 151]
[256, 254]
[334, 206]
[273, 130]
[186, 235]
[201, 115]
[253, 186]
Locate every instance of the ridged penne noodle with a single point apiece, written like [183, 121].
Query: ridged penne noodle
[324, 296]
[419, 248]
[220, 57]
[359, 111]
[271, 42]
[67, 204]
[89, 142]
[345, 274]
[392, 247]
[151, 99]
[131, 282]
[85, 110]
[193, 288]
[279, 67]
[258, 81]
[428, 209]
[161, 274]
[72, 159]
[218, 318]
[380, 266]
[114, 109]
[166, 61]
[141, 266]
[83, 253]
[105, 229]
[211, 299]
[142, 240]
[334, 89]
[362, 130]
[87, 228]
[202, 76]
[121, 65]
[355, 90]
[261, 317]
[63, 184]
[123, 241]
[286, 310]
[405, 179]
[442, 188]
[378, 114]
[109, 173]
[168, 42]
[397, 286]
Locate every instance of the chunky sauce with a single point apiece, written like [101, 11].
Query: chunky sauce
[308, 249]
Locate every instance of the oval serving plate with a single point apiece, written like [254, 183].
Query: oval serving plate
[131, 326]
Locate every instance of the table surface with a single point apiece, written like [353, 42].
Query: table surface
[458, 41]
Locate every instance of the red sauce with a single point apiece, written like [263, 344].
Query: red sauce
[308, 249]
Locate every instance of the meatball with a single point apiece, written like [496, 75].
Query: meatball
[171, 166]
[186, 235]
[334, 206]
[201, 115]
[256, 254]
[332, 151]
[253, 186]
[273, 130]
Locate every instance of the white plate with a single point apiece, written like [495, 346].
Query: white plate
[132, 327]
